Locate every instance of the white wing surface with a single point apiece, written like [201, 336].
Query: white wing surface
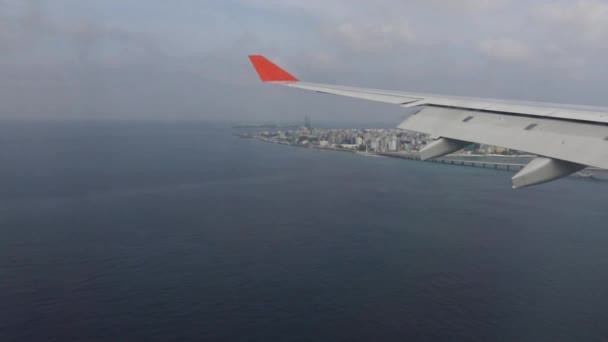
[565, 138]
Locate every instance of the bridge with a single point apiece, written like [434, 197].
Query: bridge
[588, 172]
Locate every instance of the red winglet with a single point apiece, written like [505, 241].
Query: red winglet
[270, 72]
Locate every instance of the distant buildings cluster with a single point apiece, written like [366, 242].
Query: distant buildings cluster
[369, 140]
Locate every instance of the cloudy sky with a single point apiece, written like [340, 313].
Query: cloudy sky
[186, 59]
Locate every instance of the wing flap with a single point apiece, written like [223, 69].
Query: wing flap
[577, 142]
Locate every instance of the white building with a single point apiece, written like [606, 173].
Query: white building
[392, 145]
[374, 144]
[351, 146]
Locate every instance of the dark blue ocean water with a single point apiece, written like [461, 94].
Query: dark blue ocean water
[181, 231]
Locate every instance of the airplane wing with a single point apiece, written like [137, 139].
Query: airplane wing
[565, 138]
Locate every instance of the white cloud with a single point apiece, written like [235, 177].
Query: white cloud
[587, 19]
[386, 26]
[506, 49]
[467, 47]
[339, 7]
[469, 5]
[370, 38]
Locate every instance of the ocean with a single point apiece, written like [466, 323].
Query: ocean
[158, 231]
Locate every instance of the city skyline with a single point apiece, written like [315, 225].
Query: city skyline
[367, 139]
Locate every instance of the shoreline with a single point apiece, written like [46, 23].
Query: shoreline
[451, 159]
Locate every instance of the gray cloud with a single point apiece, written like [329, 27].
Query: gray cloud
[586, 19]
[506, 49]
[54, 68]
[370, 38]
[63, 59]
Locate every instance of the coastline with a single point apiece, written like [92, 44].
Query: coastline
[457, 159]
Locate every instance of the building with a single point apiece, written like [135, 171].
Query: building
[349, 146]
[307, 123]
[499, 149]
[392, 144]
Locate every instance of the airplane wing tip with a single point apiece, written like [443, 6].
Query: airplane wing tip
[270, 72]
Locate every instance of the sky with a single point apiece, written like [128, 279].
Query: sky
[187, 59]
